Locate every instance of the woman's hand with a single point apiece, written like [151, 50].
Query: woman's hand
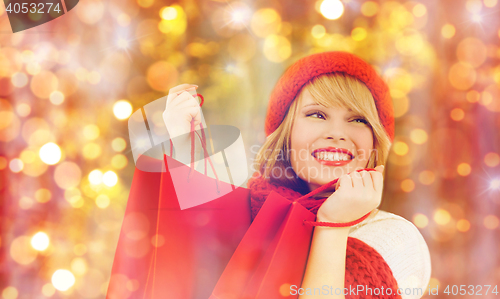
[181, 108]
[356, 194]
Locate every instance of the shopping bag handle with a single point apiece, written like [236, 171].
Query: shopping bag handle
[332, 224]
[203, 141]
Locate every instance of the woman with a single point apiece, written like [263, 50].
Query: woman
[329, 115]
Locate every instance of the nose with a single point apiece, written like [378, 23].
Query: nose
[335, 132]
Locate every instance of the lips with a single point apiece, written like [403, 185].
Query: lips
[335, 153]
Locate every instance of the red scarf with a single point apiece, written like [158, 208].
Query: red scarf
[364, 265]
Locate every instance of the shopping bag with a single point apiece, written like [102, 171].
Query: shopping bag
[165, 250]
[272, 255]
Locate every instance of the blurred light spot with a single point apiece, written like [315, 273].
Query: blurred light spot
[133, 285]
[67, 175]
[457, 114]
[56, 97]
[19, 80]
[21, 250]
[277, 48]
[410, 42]
[63, 279]
[442, 217]
[3, 163]
[285, 289]
[318, 31]
[16, 165]
[91, 132]
[123, 20]
[463, 169]
[477, 18]
[145, 3]
[10, 293]
[400, 80]
[91, 151]
[401, 104]
[241, 47]
[79, 266]
[491, 159]
[118, 144]
[23, 109]
[122, 43]
[122, 109]
[400, 148]
[463, 225]
[50, 153]
[331, 9]
[43, 195]
[95, 177]
[48, 290]
[407, 185]
[369, 8]
[266, 21]
[473, 6]
[490, 3]
[40, 241]
[158, 240]
[491, 222]
[33, 68]
[74, 197]
[27, 156]
[358, 34]
[168, 13]
[472, 51]
[495, 184]
[448, 31]
[418, 136]
[473, 96]
[426, 177]
[43, 84]
[80, 249]
[162, 76]
[90, 12]
[26, 203]
[110, 178]
[420, 220]
[119, 161]
[462, 76]
[419, 10]
[102, 201]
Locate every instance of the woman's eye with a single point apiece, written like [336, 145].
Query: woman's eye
[361, 120]
[316, 115]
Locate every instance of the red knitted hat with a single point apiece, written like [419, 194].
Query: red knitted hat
[305, 69]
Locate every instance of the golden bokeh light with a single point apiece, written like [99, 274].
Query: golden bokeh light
[463, 225]
[102, 201]
[91, 132]
[91, 151]
[359, 34]
[56, 97]
[472, 51]
[277, 48]
[40, 241]
[473, 96]
[318, 31]
[161, 76]
[400, 148]
[95, 177]
[418, 136]
[50, 153]
[448, 31]
[19, 79]
[67, 175]
[265, 22]
[462, 76]
[419, 10]
[122, 109]
[26, 203]
[492, 159]
[10, 292]
[80, 249]
[63, 279]
[401, 104]
[109, 178]
[491, 222]
[79, 266]
[16, 165]
[407, 185]
[119, 161]
[118, 144]
[48, 290]
[23, 109]
[43, 84]
[43, 195]
[21, 251]
[457, 114]
[442, 217]
[331, 9]
[426, 177]
[369, 8]
[463, 169]
[420, 220]
[490, 3]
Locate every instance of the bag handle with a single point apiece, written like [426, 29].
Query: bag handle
[203, 141]
[332, 224]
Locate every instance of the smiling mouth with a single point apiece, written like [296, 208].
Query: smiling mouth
[339, 155]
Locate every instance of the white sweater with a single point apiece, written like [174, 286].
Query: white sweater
[403, 248]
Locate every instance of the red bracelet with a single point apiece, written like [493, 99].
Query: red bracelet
[332, 224]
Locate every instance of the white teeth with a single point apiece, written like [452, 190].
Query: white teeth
[332, 156]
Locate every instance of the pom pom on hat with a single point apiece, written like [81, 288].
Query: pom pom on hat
[307, 68]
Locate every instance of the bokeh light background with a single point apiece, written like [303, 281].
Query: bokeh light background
[68, 87]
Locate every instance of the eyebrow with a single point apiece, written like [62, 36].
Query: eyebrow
[316, 104]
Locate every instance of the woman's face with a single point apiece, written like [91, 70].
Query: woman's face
[327, 142]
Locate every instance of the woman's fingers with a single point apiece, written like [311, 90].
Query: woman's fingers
[174, 92]
[378, 180]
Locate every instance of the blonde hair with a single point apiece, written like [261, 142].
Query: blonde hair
[330, 90]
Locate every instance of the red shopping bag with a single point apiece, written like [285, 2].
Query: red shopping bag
[272, 255]
[166, 252]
